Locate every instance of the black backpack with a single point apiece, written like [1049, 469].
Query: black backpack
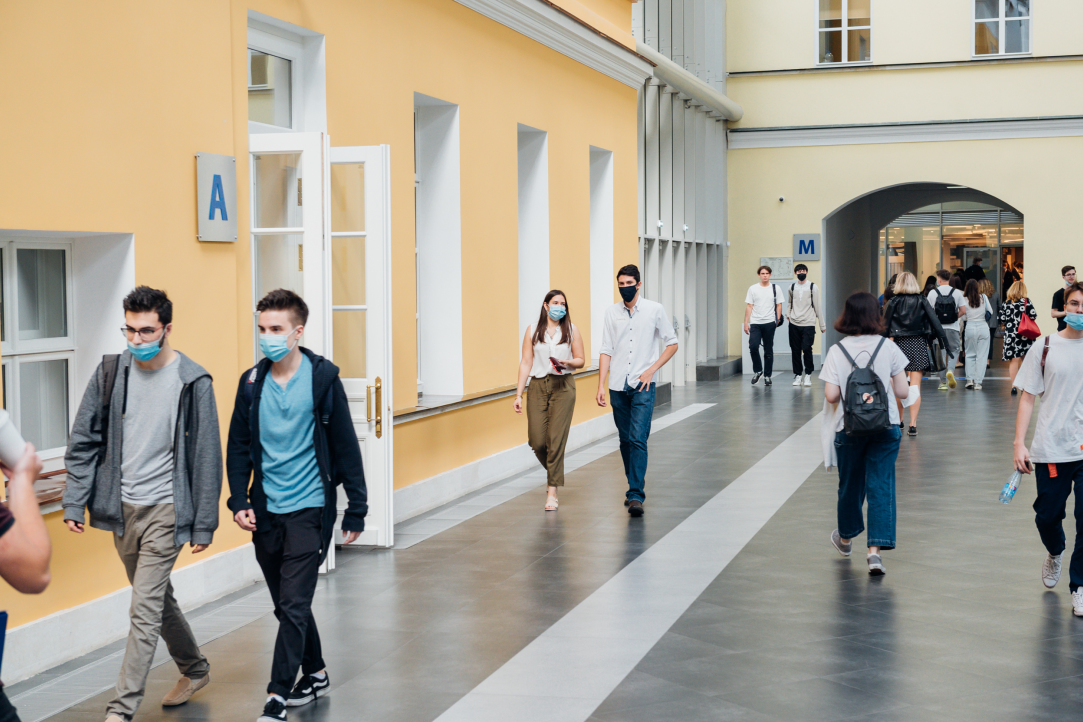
[865, 403]
[945, 308]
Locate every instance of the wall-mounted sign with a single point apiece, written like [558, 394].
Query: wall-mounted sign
[216, 197]
[806, 246]
[781, 266]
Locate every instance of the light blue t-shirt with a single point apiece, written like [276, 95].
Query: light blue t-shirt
[291, 475]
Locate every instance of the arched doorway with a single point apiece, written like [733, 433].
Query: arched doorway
[853, 235]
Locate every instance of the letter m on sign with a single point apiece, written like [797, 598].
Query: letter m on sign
[806, 247]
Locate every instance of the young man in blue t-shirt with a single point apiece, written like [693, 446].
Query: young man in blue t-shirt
[292, 437]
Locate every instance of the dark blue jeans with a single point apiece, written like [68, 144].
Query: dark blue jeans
[632, 412]
[867, 469]
[1050, 507]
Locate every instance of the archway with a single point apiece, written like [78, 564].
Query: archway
[851, 236]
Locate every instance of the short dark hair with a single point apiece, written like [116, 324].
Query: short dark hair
[761, 268]
[282, 299]
[977, 259]
[630, 270]
[800, 267]
[860, 316]
[1064, 271]
[1076, 287]
[144, 299]
[944, 274]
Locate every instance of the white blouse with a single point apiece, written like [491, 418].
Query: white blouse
[550, 346]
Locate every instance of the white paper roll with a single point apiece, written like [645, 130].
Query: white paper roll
[912, 396]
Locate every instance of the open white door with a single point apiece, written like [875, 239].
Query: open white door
[358, 283]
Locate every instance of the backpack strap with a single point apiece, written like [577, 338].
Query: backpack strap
[847, 355]
[873, 357]
[250, 386]
[1045, 352]
[110, 364]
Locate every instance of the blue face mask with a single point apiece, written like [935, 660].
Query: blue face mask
[145, 351]
[557, 312]
[273, 346]
[1074, 320]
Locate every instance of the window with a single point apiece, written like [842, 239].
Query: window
[1001, 27]
[38, 343]
[845, 31]
[269, 89]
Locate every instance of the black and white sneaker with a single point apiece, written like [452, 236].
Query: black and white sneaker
[756, 378]
[766, 380]
[307, 689]
[876, 565]
[273, 711]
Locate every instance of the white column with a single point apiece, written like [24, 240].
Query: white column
[677, 310]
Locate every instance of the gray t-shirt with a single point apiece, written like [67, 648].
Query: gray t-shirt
[150, 421]
[1058, 433]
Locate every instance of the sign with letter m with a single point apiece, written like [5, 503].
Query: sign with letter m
[806, 246]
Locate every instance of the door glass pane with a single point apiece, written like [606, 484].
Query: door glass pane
[43, 402]
[987, 38]
[831, 46]
[278, 190]
[1011, 233]
[269, 96]
[348, 328]
[1017, 36]
[858, 13]
[984, 9]
[347, 271]
[1016, 8]
[3, 306]
[858, 47]
[830, 13]
[278, 263]
[347, 197]
[42, 294]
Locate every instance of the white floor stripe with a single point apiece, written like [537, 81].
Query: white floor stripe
[564, 674]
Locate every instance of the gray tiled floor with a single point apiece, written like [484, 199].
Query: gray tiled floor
[960, 628]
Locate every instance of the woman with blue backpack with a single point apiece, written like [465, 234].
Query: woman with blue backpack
[863, 375]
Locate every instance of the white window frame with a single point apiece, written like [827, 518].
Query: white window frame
[1001, 19]
[292, 51]
[16, 352]
[845, 35]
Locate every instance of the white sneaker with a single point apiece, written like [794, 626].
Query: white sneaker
[1077, 602]
[977, 387]
[797, 380]
[808, 380]
[969, 384]
[1051, 570]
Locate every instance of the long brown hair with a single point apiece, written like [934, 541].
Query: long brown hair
[543, 320]
[973, 295]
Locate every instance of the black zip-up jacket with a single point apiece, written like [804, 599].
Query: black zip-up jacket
[911, 314]
[337, 452]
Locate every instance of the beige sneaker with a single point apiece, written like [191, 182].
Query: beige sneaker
[184, 690]
[114, 718]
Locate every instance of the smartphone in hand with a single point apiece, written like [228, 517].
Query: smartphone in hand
[556, 364]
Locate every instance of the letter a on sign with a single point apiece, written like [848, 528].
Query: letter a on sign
[218, 198]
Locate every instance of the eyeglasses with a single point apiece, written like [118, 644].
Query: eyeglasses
[142, 333]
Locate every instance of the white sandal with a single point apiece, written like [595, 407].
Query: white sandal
[551, 504]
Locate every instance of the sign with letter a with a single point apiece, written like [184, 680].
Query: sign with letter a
[806, 246]
[216, 197]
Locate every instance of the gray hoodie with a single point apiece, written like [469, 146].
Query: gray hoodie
[94, 473]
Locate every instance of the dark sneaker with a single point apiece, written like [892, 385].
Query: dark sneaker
[1014, 391]
[273, 711]
[307, 689]
[913, 431]
[627, 502]
[635, 507]
[766, 380]
[836, 541]
[756, 378]
[876, 566]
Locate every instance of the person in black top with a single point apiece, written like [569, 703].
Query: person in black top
[975, 271]
[1068, 274]
[1011, 275]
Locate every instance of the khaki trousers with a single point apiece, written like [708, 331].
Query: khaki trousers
[148, 554]
[550, 402]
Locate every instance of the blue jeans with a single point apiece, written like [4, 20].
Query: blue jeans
[867, 468]
[632, 412]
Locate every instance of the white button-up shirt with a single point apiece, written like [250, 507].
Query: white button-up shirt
[630, 339]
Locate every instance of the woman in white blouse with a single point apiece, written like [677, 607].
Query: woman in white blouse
[977, 334]
[552, 349]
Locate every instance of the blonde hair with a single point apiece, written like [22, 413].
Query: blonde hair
[1017, 292]
[906, 284]
[986, 288]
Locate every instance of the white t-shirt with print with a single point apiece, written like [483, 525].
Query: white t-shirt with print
[960, 302]
[763, 300]
[891, 361]
[1058, 434]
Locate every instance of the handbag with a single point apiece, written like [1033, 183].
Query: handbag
[988, 311]
[937, 354]
[1027, 327]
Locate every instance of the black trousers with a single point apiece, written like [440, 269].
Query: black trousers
[288, 552]
[1050, 508]
[801, 338]
[762, 333]
[7, 711]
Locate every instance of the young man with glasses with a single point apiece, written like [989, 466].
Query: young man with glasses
[291, 444]
[146, 455]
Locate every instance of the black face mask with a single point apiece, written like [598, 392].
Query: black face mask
[628, 292]
[801, 276]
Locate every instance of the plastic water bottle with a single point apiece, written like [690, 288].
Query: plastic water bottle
[1010, 487]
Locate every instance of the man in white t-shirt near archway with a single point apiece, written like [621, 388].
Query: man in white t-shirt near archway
[763, 310]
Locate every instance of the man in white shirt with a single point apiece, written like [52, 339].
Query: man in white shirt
[763, 310]
[1053, 369]
[629, 358]
[805, 316]
[951, 327]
